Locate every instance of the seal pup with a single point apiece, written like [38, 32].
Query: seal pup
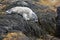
[26, 13]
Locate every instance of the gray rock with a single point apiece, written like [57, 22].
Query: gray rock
[9, 23]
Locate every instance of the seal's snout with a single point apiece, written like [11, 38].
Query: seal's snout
[8, 12]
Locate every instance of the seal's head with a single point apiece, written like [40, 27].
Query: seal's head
[8, 12]
[11, 11]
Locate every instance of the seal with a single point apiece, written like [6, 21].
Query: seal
[26, 13]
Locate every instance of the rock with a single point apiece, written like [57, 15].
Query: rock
[57, 33]
[16, 36]
[9, 23]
